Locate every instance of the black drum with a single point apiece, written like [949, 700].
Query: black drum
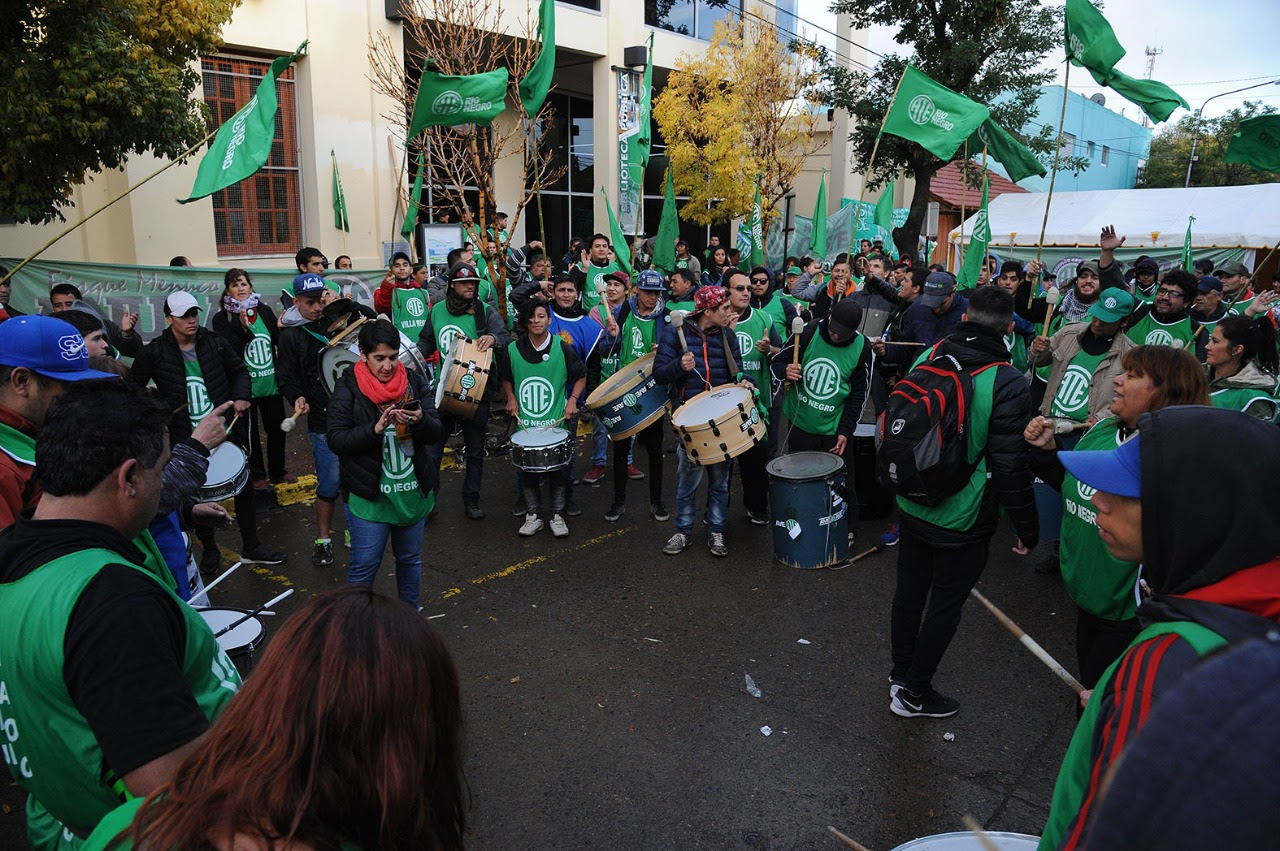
[874, 501]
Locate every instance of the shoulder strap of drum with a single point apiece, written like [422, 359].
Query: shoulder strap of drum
[728, 354]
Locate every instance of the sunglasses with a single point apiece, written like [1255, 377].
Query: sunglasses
[738, 289]
[759, 280]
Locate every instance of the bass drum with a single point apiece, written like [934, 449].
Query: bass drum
[339, 356]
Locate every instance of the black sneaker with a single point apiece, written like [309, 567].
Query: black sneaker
[615, 511]
[261, 554]
[759, 518]
[659, 511]
[322, 554]
[1049, 564]
[931, 704]
[895, 685]
[571, 508]
[474, 511]
[210, 561]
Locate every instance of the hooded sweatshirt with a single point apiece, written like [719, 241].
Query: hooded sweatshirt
[1251, 390]
[1214, 581]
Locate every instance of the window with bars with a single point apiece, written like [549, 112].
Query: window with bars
[261, 215]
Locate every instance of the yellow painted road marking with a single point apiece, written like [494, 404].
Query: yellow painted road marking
[530, 562]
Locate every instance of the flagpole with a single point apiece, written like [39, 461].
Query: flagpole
[964, 197]
[345, 218]
[1057, 152]
[399, 178]
[857, 211]
[137, 185]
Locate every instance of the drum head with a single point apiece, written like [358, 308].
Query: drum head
[410, 356]
[334, 361]
[968, 842]
[225, 463]
[533, 438]
[805, 466]
[712, 404]
[244, 635]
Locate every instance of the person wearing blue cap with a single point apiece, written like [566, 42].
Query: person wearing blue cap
[38, 356]
[1203, 585]
[303, 336]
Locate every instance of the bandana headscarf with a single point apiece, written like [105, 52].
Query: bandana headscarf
[710, 297]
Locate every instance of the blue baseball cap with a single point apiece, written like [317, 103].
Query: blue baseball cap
[48, 346]
[1117, 471]
[308, 283]
[650, 280]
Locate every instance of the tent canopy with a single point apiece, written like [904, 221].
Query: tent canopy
[1226, 217]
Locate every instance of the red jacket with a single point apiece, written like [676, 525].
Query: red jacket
[15, 474]
[382, 295]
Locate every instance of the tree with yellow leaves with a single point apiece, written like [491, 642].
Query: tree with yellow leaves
[734, 111]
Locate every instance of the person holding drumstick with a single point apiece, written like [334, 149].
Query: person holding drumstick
[692, 358]
[542, 376]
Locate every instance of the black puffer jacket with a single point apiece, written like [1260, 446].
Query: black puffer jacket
[228, 325]
[1009, 484]
[711, 366]
[224, 373]
[359, 449]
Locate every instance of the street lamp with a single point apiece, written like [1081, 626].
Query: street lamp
[1195, 135]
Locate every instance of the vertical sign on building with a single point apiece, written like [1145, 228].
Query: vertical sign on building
[630, 170]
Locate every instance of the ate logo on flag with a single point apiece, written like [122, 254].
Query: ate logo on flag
[922, 111]
[981, 227]
[452, 103]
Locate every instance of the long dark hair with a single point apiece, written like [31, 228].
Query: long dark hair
[1256, 336]
[349, 730]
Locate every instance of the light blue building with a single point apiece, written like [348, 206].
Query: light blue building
[1116, 146]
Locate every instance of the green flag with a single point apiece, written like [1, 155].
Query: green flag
[619, 241]
[243, 143]
[1003, 147]
[1256, 143]
[751, 234]
[976, 254]
[930, 114]
[415, 203]
[446, 100]
[340, 220]
[536, 84]
[818, 237]
[1188, 262]
[664, 246]
[644, 140]
[884, 208]
[1153, 97]
[1090, 41]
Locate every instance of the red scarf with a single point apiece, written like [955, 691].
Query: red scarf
[377, 392]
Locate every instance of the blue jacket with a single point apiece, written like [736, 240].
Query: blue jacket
[921, 325]
[710, 368]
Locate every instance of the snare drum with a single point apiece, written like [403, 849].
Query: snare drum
[541, 450]
[239, 642]
[630, 400]
[228, 473]
[463, 376]
[338, 356]
[969, 842]
[719, 424]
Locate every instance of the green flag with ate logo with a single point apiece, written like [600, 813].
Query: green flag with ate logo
[536, 84]
[1004, 148]
[1256, 143]
[664, 244]
[930, 114]
[751, 234]
[243, 143]
[976, 254]
[445, 100]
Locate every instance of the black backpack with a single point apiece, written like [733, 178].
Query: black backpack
[922, 438]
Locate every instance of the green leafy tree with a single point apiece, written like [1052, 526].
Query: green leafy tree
[988, 50]
[88, 84]
[1171, 151]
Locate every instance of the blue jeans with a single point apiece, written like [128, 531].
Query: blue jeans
[599, 442]
[688, 479]
[326, 467]
[369, 539]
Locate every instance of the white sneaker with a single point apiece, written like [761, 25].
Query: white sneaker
[558, 527]
[533, 525]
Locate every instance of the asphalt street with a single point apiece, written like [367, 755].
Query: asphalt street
[605, 688]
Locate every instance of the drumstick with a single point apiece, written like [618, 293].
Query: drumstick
[884, 342]
[234, 420]
[846, 840]
[677, 321]
[256, 611]
[1030, 643]
[797, 327]
[1050, 299]
[230, 570]
[981, 835]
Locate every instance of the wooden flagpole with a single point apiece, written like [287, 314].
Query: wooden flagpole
[862, 192]
[1057, 152]
[964, 197]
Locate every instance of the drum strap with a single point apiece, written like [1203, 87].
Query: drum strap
[728, 354]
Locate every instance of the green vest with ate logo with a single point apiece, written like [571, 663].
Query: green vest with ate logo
[539, 387]
[447, 327]
[638, 335]
[409, 310]
[754, 362]
[816, 404]
[259, 360]
[400, 500]
[198, 402]
[1152, 332]
[49, 747]
[1072, 397]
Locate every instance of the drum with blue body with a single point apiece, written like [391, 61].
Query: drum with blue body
[630, 400]
[808, 509]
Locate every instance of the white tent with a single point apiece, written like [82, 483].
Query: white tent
[1226, 217]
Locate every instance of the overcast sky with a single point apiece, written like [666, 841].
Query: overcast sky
[1209, 47]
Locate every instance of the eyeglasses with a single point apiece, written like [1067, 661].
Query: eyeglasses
[759, 280]
[738, 289]
[1171, 293]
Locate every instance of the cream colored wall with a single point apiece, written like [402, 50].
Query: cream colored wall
[336, 108]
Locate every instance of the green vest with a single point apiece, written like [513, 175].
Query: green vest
[960, 510]
[686, 306]
[800, 304]
[1072, 397]
[447, 327]
[540, 387]
[755, 363]
[777, 313]
[199, 404]
[1017, 345]
[638, 337]
[1150, 331]
[409, 310]
[1241, 306]
[260, 361]
[1054, 326]
[610, 358]
[816, 403]
[51, 750]
[1143, 298]
[1098, 581]
[682, 264]
[400, 501]
[1073, 777]
[593, 285]
[1251, 400]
